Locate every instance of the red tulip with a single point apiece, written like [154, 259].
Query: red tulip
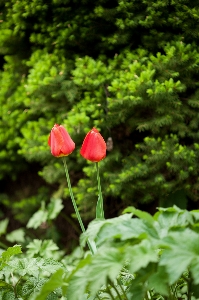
[94, 146]
[60, 141]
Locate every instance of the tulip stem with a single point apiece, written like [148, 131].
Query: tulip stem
[99, 207]
[91, 244]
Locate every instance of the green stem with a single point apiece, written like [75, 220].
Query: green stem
[114, 287]
[91, 245]
[110, 293]
[100, 206]
[122, 289]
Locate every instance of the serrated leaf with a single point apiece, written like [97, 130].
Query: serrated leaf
[6, 255]
[49, 265]
[120, 228]
[16, 236]
[44, 248]
[34, 247]
[37, 219]
[182, 249]
[8, 295]
[95, 272]
[139, 256]
[47, 248]
[25, 266]
[54, 208]
[123, 227]
[32, 285]
[107, 264]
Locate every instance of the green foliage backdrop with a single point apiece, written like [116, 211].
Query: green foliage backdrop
[129, 68]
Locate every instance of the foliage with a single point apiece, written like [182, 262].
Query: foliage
[143, 257]
[129, 68]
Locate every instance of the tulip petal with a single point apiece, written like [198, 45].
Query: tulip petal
[94, 146]
[56, 141]
[68, 145]
[60, 141]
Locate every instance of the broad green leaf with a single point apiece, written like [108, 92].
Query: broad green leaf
[108, 263]
[195, 214]
[172, 218]
[54, 208]
[55, 281]
[140, 214]
[3, 226]
[194, 268]
[123, 228]
[78, 280]
[139, 256]
[37, 219]
[181, 249]
[159, 281]
[95, 226]
[136, 292]
[16, 236]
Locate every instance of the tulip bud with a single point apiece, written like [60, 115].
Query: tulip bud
[60, 141]
[94, 146]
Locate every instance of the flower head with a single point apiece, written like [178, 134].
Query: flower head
[94, 146]
[60, 141]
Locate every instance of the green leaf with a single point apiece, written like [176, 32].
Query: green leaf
[181, 249]
[140, 214]
[159, 281]
[16, 236]
[32, 285]
[55, 281]
[37, 219]
[44, 248]
[33, 266]
[47, 248]
[139, 256]
[6, 255]
[106, 264]
[123, 227]
[8, 295]
[95, 272]
[54, 208]
[136, 291]
[34, 247]
[78, 280]
[3, 226]
[25, 266]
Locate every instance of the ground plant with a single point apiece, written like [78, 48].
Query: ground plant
[132, 256]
